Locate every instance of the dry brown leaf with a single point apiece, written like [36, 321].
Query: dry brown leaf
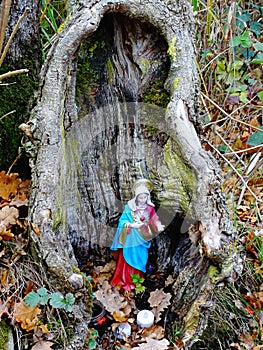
[159, 300]
[27, 315]
[5, 234]
[8, 215]
[155, 332]
[153, 344]
[35, 229]
[113, 301]
[43, 345]
[169, 280]
[8, 184]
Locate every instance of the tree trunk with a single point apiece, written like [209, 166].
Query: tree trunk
[118, 101]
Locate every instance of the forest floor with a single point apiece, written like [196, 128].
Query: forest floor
[39, 327]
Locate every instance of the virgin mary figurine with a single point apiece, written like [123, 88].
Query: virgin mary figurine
[133, 235]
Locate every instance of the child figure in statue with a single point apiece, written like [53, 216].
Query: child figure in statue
[133, 236]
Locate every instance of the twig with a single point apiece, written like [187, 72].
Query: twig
[3, 116]
[12, 73]
[229, 115]
[235, 170]
[12, 36]
[14, 162]
[244, 150]
[6, 4]
[233, 152]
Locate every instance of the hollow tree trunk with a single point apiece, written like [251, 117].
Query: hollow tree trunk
[119, 101]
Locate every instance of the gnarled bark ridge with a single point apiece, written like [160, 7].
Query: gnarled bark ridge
[119, 101]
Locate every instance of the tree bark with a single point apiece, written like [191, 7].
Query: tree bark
[118, 101]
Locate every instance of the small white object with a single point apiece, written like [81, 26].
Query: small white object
[123, 331]
[145, 318]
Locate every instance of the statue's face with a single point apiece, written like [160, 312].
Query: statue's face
[142, 198]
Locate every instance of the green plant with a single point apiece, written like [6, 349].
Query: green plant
[56, 300]
[137, 281]
[91, 339]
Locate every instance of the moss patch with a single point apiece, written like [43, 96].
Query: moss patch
[14, 96]
[4, 331]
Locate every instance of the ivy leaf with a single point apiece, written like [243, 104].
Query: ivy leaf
[256, 138]
[57, 300]
[32, 299]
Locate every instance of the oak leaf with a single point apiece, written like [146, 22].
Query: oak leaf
[43, 345]
[153, 344]
[8, 184]
[9, 215]
[114, 302]
[27, 315]
[159, 300]
[154, 332]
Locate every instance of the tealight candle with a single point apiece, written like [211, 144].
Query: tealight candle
[145, 318]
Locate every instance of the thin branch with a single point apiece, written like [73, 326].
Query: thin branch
[244, 150]
[5, 9]
[12, 73]
[229, 115]
[12, 36]
[235, 170]
[3, 116]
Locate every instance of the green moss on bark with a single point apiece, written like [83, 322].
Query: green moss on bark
[15, 96]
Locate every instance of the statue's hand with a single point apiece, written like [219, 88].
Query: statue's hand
[160, 227]
[137, 225]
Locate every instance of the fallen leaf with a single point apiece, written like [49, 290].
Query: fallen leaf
[35, 229]
[43, 345]
[8, 215]
[5, 234]
[153, 344]
[159, 300]
[114, 302]
[27, 315]
[8, 184]
[154, 332]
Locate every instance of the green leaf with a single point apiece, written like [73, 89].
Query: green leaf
[195, 5]
[57, 300]
[258, 59]
[32, 299]
[256, 138]
[92, 344]
[243, 96]
[258, 46]
[67, 307]
[42, 292]
[69, 299]
[93, 333]
[222, 148]
[139, 289]
[260, 95]
[235, 41]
